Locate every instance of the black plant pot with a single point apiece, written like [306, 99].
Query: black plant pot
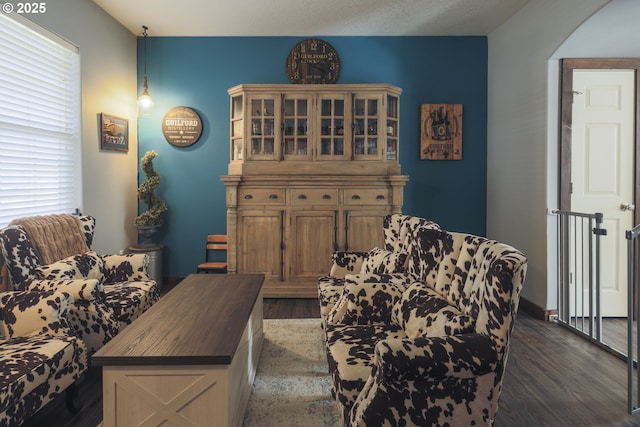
[146, 235]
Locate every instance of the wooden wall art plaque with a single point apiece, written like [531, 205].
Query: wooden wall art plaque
[441, 132]
[182, 126]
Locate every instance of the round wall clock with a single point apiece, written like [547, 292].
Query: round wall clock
[313, 61]
[182, 126]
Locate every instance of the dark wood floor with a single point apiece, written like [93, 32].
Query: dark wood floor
[553, 378]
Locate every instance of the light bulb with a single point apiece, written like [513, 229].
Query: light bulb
[145, 100]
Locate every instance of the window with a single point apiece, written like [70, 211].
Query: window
[40, 168]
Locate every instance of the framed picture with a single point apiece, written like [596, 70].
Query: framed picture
[441, 132]
[114, 133]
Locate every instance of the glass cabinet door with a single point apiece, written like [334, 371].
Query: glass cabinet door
[332, 128]
[392, 128]
[295, 128]
[263, 129]
[237, 128]
[366, 139]
[315, 123]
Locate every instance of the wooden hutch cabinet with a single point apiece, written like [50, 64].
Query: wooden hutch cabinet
[313, 169]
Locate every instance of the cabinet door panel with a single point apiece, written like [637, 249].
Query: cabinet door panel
[263, 127]
[333, 126]
[364, 230]
[260, 243]
[313, 238]
[296, 111]
[367, 131]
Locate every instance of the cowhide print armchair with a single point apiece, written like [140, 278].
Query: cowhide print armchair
[378, 261]
[40, 357]
[109, 291]
[432, 353]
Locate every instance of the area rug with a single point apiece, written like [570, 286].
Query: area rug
[292, 386]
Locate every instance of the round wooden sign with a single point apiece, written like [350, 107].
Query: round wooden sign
[182, 126]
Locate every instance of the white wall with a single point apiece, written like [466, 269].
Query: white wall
[109, 84]
[613, 32]
[517, 177]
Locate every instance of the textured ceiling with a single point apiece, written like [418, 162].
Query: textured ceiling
[311, 17]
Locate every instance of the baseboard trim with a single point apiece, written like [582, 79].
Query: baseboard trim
[536, 311]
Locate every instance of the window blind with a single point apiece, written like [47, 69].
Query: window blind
[40, 168]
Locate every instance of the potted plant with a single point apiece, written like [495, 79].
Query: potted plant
[149, 222]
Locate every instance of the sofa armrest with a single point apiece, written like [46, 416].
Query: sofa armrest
[126, 268]
[365, 303]
[79, 289]
[343, 263]
[435, 359]
[24, 313]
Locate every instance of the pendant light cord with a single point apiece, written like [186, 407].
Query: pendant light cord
[144, 33]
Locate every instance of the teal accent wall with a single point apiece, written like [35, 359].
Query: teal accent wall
[197, 71]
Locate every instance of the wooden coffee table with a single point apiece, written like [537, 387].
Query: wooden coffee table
[189, 360]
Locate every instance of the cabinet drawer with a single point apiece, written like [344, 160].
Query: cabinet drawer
[314, 196]
[261, 196]
[367, 196]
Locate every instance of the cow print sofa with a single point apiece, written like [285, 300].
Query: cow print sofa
[418, 334]
[52, 253]
[40, 357]
[397, 232]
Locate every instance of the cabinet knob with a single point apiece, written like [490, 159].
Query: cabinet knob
[302, 197]
[273, 196]
[248, 196]
[326, 197]
[379, 197]
[355, 197]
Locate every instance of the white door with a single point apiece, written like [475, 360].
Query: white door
[602, 169]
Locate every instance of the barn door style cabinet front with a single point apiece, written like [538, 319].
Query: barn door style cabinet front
[313, 169]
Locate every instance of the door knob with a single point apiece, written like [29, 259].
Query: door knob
[627, 207]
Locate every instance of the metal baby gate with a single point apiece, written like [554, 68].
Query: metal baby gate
[579, 296]
[580, 292]
[633, 258]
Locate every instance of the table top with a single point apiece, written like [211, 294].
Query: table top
[199, 322]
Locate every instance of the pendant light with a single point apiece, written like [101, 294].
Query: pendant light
[145, 100]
